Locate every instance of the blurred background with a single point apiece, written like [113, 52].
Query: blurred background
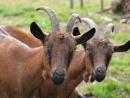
[21, 13]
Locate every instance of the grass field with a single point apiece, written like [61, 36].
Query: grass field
[21, 13]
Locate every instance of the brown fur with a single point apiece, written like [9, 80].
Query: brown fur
[31, 41]
[22, 36]
[53, 39]
[19, 74]
[77, 67]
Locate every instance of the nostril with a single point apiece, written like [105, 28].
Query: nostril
[100, 70]
[60, 72]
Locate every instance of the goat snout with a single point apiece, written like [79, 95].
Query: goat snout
[58, 76]
[100, 74]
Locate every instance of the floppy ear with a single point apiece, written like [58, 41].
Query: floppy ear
[36, 31]
[76, 31]
[86, 36]
[122, 48]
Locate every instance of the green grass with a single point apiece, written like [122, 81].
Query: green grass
[21, 13]
[108, 89]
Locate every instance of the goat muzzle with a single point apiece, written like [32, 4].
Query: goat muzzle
[98, 75]
[58, 77]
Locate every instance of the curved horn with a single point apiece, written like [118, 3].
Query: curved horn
[53, 18]
[109, 28]
[71, 22]
[89, 22]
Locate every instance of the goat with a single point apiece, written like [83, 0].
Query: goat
[100, 51]
[83, 62]
[26, 66]
[78, 64]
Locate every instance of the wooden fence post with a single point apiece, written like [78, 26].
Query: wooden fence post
[81, 3]
[102, 5]
[71, 3]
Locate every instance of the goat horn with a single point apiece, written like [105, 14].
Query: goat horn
[71, 22]
[109, 28]
[123, 21]
[53, 18]
[89, 22]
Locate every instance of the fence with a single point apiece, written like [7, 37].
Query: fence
[83, 3]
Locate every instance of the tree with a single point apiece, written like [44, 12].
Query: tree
[102, 5]
[72, 3]
[121, 6]
[81, 3]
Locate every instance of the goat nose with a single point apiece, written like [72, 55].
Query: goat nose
[58, 77]
[60, 72]
[100, 74]
[100, 70]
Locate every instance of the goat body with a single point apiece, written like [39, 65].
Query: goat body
[19, 74]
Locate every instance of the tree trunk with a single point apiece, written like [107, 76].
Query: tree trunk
[102, 5]
[71, 3]
[81, 3]
[121, 6]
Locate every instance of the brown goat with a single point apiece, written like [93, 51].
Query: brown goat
[24, 75]
[100, 51]
[77, 67]
[75, 71]
[83, 63]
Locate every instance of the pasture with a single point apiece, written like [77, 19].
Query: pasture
[21, 13]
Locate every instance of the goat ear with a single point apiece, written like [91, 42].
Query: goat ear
[76, 31]
[122, 48]
[36, 31]
[86, 36]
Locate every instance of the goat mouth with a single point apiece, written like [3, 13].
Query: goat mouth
[100, 78]
[97, 77]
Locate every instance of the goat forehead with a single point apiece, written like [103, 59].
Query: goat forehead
[100, 43]
[60, 35]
